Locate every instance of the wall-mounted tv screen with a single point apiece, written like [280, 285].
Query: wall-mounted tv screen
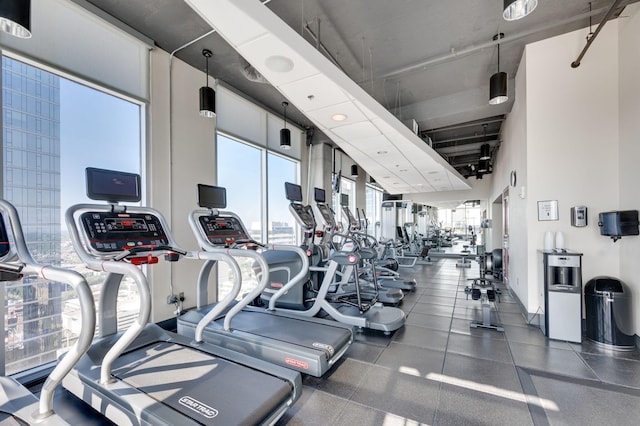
[212, 197]
[293, 192]
[344, 199]
[319, 195]
[113, 186]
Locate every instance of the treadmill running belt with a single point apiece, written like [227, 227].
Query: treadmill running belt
[300, 332]
[203, 387]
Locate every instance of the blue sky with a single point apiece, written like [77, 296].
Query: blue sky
[96, 130]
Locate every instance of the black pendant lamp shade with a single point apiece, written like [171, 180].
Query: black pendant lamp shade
[15, 17]
[285, 134]
[498, 81]
[483, 166]
[498, 88]
[485, 151]
[517, 9]
[354, 170]
[207, 94]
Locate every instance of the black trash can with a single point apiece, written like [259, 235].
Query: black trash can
[608, 310]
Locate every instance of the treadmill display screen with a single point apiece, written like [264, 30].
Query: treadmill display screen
[222, 231]
[319, 195]
[112, 186]
[292, 191]
[344, 199]
[113, 232]
[303, 215]
[212, 197]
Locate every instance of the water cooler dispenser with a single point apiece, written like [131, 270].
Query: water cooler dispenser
[563, 295]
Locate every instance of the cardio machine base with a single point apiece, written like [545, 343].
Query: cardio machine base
[155, 383]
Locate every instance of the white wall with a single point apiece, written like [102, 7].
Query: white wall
[629, 172]
[172, 190]
[181, 152]
[572, 149]
[561, 137]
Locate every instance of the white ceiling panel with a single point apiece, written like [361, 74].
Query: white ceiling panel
[323, 92]
[314, 93]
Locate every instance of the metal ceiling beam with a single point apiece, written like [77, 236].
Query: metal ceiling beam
[490, 120]
[464, 138]
[468, 50]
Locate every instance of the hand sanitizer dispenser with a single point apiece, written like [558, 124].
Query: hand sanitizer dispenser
[579, 216]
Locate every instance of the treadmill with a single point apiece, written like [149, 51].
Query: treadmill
[309, 345]
[147, 375]
[17, 404]
[356, 311]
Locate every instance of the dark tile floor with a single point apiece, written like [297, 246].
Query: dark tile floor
[439, 371]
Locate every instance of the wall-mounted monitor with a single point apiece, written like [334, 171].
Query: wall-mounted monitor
[212, 197]
[617, 224]
[293, 192]
[112, 186]
[319, 195]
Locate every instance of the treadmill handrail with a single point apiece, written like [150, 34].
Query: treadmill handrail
[111, 266]
[296, 278]
[134, 272]
[203, 241]
[85, 299]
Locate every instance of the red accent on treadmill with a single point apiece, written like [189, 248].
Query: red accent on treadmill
[296, 363]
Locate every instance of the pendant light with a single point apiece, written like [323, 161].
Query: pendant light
[15, 17]
[207, 94]
[485, 151]
[517, 9]
[485, 148]
[498, 81]
[354, 171]
[285, 134]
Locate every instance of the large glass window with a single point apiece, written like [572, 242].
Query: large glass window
[282, 227]
[267, 218]
[53, 128]
[373, 210]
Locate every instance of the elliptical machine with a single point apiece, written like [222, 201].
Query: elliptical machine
[359, 309]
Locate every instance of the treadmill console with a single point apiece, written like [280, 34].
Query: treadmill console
[222, 231]
[327, 216]
[113, 232]
[304, 215]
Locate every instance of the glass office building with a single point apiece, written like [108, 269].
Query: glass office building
[31, 174]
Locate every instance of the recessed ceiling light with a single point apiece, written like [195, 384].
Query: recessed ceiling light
[339, 117]
[386, 177]
[381, 152]
[433, 172]
[396, 183]
[279, 63]
[420, 184]
[403, 170]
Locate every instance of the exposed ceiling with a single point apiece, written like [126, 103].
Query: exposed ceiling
[427, 61]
